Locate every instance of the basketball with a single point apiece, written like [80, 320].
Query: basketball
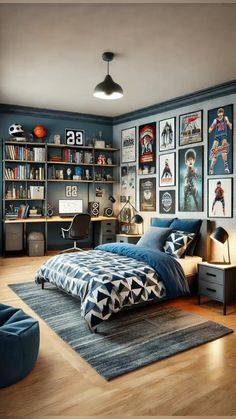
[40, 131]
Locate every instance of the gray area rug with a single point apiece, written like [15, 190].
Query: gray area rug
[129, 340]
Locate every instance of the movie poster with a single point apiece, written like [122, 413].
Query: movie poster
[128, 183]
[190, 128]
[147, 149]
[128, 145]
[191, 179]
[220, 199]
[220, 140]
[167, 202]
[167, 169]
[167, 134]
[147, 194]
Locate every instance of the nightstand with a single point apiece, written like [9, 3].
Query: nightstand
[128, 238]
[218, 282]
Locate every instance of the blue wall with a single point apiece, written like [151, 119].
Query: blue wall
[55, 123]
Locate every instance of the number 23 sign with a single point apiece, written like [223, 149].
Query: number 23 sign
[75, 136]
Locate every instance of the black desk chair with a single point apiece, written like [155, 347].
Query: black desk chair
[78, 230]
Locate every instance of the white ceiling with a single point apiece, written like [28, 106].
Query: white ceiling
[51, 53]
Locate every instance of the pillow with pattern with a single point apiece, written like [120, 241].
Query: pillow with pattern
[177, 243]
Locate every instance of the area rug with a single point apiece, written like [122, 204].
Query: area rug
[130, 340]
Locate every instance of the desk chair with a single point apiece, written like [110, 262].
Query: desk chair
[78, 230]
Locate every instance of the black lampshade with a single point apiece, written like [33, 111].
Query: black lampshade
[137, 219]
[220, 235]
[108, 89]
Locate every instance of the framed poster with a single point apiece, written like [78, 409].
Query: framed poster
[147, 149]
[190, 128]
[75, 136]
[167, 169]
[220, 140]
[128, 145]
[167, 134]
[167, 202]
[191, 179]
[220, 198]
[147, 194]
[128, 183]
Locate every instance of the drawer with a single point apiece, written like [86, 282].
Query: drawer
[124, 239]
[211, 274]
[108, 238]
[108, 227]
[214, 291]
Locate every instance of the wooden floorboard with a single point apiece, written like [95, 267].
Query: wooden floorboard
[201, 381]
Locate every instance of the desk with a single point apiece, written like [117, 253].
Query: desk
[103, 231]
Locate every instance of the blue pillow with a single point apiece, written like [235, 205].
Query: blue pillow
[192, 226]
[161, 222]
[154, 238]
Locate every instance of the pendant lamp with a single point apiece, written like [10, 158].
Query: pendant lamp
[108, 89]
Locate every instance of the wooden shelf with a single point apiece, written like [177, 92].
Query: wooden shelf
[23, 161]
[106, 149]
[78, 147]
[105, 165]
[71, 180]
[68, 163]
[23, 199]
[24, 180]
[24, 143]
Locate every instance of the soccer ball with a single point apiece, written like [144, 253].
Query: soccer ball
[40, 131]
[16, 130]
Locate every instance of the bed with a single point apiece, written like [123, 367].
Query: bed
[115, 276]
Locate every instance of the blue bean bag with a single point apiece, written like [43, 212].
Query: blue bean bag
[19, 344]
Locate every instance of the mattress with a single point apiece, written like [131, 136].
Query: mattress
[189, 264]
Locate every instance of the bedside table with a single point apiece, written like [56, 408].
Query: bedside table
[218, 282]
[128, 238]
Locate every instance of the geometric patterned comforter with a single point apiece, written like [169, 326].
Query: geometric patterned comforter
[105, 282]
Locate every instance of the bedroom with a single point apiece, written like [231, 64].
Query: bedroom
[174, 79]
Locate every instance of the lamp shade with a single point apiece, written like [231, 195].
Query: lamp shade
[220, 235]
[108, 89]
[137, 219]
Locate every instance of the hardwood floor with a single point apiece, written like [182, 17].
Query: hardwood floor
[201, 381]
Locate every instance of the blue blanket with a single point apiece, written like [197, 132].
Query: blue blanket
[167, 267]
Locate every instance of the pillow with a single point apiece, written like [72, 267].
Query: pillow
[177, 243]
[192, 226]
[154, 238]
[161, 222]
[191, 248]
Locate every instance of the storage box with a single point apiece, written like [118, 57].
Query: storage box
[36, 244]
[37, 192]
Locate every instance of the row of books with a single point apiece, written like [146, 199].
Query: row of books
[23, 211]
[36, 154]
[24, 173]
[73, 156]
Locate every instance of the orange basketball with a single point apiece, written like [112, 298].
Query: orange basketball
[40, 131]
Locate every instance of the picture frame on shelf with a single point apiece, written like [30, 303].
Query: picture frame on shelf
[191, 179]
[220, 197]
[167, 201]
[191, 128]
[167, 134]
[128, 145]
[220, 140]
[74, 137]
[167, 169]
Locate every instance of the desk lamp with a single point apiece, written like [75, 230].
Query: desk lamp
[221, 236]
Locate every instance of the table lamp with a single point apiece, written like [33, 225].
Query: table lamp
[137, 219]
[221, 236]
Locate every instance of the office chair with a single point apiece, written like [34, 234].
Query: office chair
[78, 230]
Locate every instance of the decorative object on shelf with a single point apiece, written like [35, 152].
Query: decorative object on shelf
[57, 139]
[220, 140]
[147, 149]
[191, 179]
[190, 128]
[128, 183]
[220, 198]
[167, 134]
[75, 137]
[71, 191]
[108, 89]
[68, 173]
[221, 236]
[167, 169]
[128, 145]
[40, 131]
[99, 143]
[147, 194]
[36, 192]
[101, 159]
[167, 202]
[16, 130]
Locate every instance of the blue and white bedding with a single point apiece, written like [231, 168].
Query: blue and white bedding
[114, 276]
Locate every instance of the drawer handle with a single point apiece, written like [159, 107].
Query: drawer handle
[210, 289]
[209, 274]
[109, 231]
[121, 241]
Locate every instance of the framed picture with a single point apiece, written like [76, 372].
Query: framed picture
[147, 194]
[71, 191]
[147, 149]
[190, 128]
[167, 132]
[191, 179]
[220, 140]
[74, 136]
[128, 183]
[220, 198]
[167, 169]
[128, 145]
[167, 202]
